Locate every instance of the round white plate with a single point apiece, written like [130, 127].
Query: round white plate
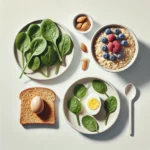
[100, 117]
[37, 75]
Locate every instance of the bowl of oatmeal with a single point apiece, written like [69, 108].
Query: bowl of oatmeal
[114, 47]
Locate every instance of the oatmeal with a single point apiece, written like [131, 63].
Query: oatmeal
[114, 47]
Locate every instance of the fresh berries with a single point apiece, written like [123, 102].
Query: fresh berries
[124, 43]
[104, 39]
[119, 56]
[111, 37]
[117, 46]
[116, 31]
[110, 46]
[104, 47]
[121, 36]
[107, 31]
[112, 57]
[106, 55]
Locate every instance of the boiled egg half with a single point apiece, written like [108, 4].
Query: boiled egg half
[93, 104]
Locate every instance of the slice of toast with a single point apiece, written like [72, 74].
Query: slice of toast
[48, 114]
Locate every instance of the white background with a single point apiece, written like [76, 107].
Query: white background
[14, 14]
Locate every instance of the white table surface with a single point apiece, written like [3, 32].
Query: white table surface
[14, 14]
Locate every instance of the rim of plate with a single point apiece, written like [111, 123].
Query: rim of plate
[25, 28]
[117, 115]
[136, 45]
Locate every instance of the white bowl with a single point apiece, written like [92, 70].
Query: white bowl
[136, 45]
[90, 19]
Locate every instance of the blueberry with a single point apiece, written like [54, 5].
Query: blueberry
[107, 31]
[119, 56]
[104, 39]
[116, 31]
[121, 36]
[112, 57]
[104, 47]
[124, 43]
[106, 55]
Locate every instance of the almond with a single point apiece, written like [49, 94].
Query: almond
[83, 47]
[85, 62]
[86, 25]
[81, 19]
[78, 26]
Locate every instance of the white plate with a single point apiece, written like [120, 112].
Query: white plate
[37, 75]
[71, 118]
[136, 44]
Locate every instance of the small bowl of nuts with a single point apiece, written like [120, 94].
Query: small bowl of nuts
[83, 23]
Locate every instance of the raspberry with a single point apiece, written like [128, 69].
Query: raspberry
[111, 37]
[110, 46]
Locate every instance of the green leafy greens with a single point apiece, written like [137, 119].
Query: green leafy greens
[90, 123]
[74, 106]
[50, 32]
[80, 91]
[34, 63]
[48, 58]
[23, 44]
[99, 86]
[34, 31]
[37, 47]
[110, 106]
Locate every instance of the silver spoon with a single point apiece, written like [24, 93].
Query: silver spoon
[130, 92]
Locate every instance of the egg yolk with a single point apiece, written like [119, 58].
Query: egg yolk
[93, 103]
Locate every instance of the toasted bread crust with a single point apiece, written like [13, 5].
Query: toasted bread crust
[48, 114]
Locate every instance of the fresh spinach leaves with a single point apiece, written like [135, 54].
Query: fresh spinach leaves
[65, 45]
[23, 44]
[50, 32]
[99, 86]
[110, 106]
[34, 63]
[48, 58]
[80, 91]
[37, 47]
[74, 106]
[34, 31]
[90, 123]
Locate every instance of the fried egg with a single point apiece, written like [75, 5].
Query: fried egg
[93, 104]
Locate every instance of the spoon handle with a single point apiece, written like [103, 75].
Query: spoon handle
[130, 118]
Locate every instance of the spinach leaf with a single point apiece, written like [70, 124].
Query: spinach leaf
[65, 45]
[48, 58]
[50, 32]
[90, 123]
[34, 31]
[22, 44]
[80, 91]
[99, 86]
[110, 106]
[34, 63]
[74, 106]
[37, 47]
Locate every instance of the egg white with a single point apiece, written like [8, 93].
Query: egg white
[92, 112]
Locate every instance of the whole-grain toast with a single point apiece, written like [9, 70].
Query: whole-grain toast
[48, 114]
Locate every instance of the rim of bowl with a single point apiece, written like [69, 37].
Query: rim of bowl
[136, 45]
[92, 133]
[90, 19]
